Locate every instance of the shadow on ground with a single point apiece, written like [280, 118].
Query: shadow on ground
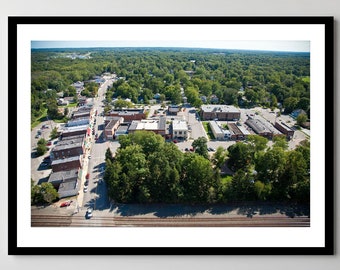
[243, 209]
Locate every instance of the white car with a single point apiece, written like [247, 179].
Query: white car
[85, 189]
[89, 212]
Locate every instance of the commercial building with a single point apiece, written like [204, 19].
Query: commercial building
[259, 127]
[157, 126]
[281, 126]
[236, 133]
[219, 133]
[65, 182]
[122, 130]
[66, 164]
[112, 126]
[129, 115]
[179, 129]
[74, 131]
[68, 147]
[78, 122]
[220, 112]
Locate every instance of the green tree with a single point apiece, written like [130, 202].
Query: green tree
[243, 186]
[240, 156]
[199, 182]
[44, 193]
[41, 147]
[109, 155]
[257, 142]
[280, 141]
[219, 157]
[302, 118]
[54, 133]
[290, 104]
[201, 147]
[270, 165]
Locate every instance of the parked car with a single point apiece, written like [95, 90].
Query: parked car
[87, 176]
[85, 189]
[66, 203]
[49, 143]
[89, 213]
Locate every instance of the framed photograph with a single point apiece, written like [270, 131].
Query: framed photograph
[171, 135]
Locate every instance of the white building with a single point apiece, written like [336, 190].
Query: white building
[179, 129]
[219, 133]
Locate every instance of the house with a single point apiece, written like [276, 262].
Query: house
[173, 109]
[297, 112]
[62, 102]
[214, 99]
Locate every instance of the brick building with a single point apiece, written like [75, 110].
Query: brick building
[220, 112]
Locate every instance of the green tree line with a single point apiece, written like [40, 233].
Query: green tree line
[241, 78]
[146, 169]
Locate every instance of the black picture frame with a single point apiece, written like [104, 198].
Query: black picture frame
[14, 96]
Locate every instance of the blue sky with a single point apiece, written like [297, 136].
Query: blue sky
[264, 45]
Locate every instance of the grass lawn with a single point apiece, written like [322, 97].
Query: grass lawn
[208, 130]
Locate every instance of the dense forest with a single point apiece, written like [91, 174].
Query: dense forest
[146, 169]
[242, 78]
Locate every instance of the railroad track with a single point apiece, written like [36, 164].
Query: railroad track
[133, 221]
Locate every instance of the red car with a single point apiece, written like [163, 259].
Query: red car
[49, 143]
[87, 176]
[65, 204]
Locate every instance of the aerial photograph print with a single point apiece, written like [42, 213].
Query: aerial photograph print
[170, 133]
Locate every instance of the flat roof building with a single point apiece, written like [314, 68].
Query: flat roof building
[68, 147]
[219, 133]
[112, 126]
[65, 182]
[66, 164]
[220, 112]
[73, 131]
[128, 114]
[156, 125]
[281, 126]
[179, 129]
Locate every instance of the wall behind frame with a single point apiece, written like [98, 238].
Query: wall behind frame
[154, 8]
